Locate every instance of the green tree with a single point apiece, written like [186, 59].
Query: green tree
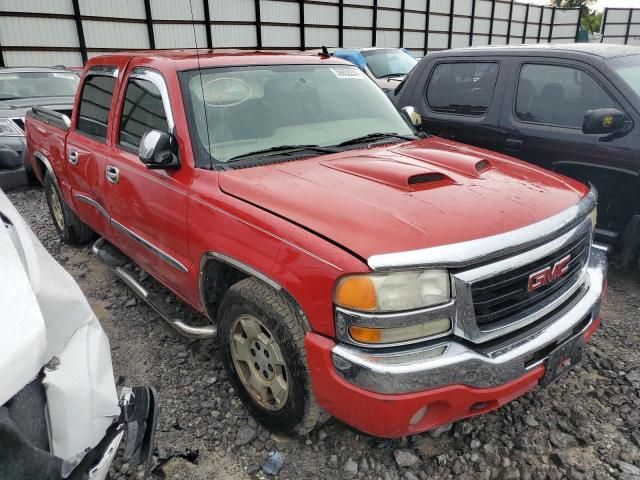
[571, 3]
[590, 19]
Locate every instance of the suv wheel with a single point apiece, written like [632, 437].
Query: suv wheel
[262, 344]
[69, 226]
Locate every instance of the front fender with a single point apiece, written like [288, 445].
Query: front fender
[304, 265]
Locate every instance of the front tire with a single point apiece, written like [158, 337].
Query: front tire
[262, 345]
[71, 229]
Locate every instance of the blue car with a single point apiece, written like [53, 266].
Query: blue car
[385, 66]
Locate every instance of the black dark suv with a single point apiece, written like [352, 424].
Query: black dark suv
[574, 109]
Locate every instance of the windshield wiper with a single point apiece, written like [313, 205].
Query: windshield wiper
[373, 136]
[389, 75]
[284, 149]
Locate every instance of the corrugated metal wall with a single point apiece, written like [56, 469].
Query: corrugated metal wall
[69, 31]
[621, 25]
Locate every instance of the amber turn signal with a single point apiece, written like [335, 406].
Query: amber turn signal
[373, 335]
[365, 334]
[357, 292]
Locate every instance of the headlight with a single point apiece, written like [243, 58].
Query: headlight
[394, 291]
[9, 129]
[594, 217]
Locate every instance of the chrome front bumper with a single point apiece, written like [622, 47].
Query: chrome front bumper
[454, 362]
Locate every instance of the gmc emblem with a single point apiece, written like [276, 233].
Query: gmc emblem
[548, 274]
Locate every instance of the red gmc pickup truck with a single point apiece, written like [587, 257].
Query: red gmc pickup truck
[347, 264]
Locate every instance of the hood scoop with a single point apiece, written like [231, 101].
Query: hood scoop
[483, 165]
[403, 176]
[423, 178]
[456, 160]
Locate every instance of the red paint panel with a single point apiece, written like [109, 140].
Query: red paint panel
[87, 178]
[173, 60]
[49, 141]
[152, 204]
[363, 211]
[389, 415]
[592, 329]
[302, 263]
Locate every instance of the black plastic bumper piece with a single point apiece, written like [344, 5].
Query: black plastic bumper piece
[14, 178]
[141, 418]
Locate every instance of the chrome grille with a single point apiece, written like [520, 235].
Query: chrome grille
[498, 298]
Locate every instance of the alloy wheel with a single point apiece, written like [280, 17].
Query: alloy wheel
[259, 363]
[56, 207]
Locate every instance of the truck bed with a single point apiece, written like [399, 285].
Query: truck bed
[46, 132]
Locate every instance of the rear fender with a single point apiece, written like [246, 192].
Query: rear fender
[42, 165]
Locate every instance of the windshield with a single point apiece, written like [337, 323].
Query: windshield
[37, 84]
[250, 109]
[629, 69]
[389, 62]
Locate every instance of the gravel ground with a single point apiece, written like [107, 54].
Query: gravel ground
[585, 426]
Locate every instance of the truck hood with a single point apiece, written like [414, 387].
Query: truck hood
[406, 196]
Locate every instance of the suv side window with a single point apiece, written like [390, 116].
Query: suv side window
[95, 103]
[558, 95]
[464, 88]
[142, 111]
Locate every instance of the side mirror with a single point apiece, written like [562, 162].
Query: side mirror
[411, 114]
[159, 150]
[603, 121]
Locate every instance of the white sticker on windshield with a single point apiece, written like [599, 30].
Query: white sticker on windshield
[347, 72]
[68, 76]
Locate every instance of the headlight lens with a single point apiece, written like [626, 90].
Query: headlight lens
[9, 129]
[394, 291]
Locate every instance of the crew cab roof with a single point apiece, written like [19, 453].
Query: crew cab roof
[203, 58]
[601, 50]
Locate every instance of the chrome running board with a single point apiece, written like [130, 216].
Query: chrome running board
[116, 260]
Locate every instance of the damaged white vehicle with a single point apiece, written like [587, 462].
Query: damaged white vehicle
[60, 416]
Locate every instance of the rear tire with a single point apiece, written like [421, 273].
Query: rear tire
[71, 229]
[251, 312]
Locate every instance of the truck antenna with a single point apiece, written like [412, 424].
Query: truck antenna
[204, 104]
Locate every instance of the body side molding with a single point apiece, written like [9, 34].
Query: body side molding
[142, 241]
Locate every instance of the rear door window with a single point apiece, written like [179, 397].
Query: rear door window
[558, 95]
[143, 110]
[95, 103]
[464, 88]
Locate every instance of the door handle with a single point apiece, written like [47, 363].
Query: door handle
[113, 174]
[73, 157]
[513, 144]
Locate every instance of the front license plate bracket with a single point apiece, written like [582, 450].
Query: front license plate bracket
[562, 359]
